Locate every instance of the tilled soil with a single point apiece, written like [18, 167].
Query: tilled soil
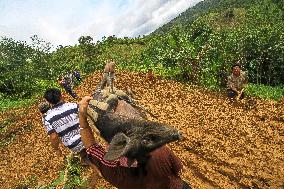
[227, 145]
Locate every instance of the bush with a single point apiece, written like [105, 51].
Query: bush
[265, 92]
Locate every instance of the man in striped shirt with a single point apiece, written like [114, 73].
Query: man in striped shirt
[62, 122]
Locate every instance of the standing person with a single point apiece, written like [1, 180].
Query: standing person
[69, 77]
[237, 82]
[62, 123]
[160, 169]
[64, 83]
[108, 76]
[77, 75]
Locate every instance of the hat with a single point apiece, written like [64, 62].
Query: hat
[43, 107]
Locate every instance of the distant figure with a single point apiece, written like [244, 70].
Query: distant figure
[65, 83]
[108, 76]
[69, 78]
[237, 82]
[77, 75]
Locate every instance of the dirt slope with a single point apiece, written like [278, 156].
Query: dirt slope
[226, 146]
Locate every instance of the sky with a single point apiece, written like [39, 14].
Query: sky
[62, 22]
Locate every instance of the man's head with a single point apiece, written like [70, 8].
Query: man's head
[236, 69]
[43, 107]
[60, 77]
[110, 62]
[52, 95]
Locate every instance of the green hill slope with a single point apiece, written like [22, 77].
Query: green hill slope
[186, 18]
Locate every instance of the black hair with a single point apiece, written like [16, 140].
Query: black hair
[52, 95]
[234, 65]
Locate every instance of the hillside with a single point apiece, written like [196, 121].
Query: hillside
[227, 145]
[186, 18]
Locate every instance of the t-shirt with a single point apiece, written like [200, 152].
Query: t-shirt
[238, 82]
[63, 119]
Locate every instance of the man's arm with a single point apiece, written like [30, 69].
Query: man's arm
[54, 139]
[106, 69]
[245, 73]
[53, 136]
[86, 133]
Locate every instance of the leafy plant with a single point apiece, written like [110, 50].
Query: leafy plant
[265, 92]
[70, 177]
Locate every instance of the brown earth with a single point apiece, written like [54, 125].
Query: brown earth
[227, 145]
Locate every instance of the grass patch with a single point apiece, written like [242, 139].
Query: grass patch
[30, 182]
[8, 140]
[265, 92]
[4, 124]
[70, 177]
[7, 104]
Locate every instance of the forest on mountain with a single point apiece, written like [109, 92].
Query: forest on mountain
[191, 57]
[199, 47]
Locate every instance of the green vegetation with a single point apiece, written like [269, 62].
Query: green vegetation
[31, 181]
[70, 177]
[198, 47]
[265, 92]
[4, 124]
[8, 104]
[186, 18]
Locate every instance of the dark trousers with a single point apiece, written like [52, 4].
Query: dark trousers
[233, 94]
[107, 80]
[70, 92]
[78, 79]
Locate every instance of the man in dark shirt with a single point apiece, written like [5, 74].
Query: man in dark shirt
[65, 84]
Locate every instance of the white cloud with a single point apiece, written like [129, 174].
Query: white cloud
[141, 17]
[64, 21]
